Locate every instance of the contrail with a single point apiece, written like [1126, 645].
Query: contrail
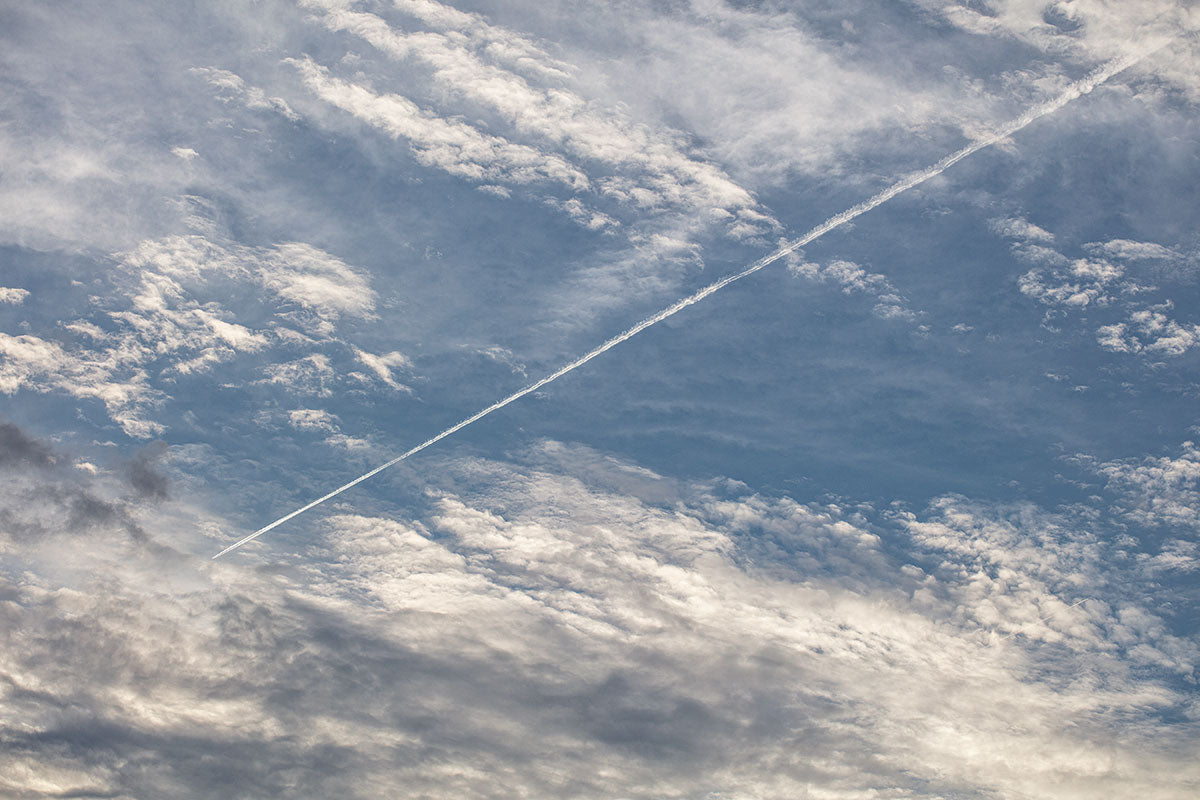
[1077, 89]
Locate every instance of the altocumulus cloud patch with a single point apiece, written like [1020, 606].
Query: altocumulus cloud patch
[692, 639]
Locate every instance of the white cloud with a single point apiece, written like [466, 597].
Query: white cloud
[159, 323]
[313, 374]
[503, 355]
[13, 296]
[1100, 281]
[1089, 29]
[313, 419]
[1149, 331]
[232, 87]
[382, 366]
[1021, 229]
[1158, 490]
[449, 145]
[295, 271]
[35, 364]
[1128, 250]
[484, 68]
[852, 278]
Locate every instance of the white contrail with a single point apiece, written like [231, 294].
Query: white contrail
[1075, 90]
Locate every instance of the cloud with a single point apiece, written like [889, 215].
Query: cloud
[1149, 331]
[854, 279]
[449, 145]
[39, 365]
[1022, 230]
[1127, 250]
[294, 271]
[160, 323]
[313, 419]
[144, 478]
[43, 508]
[232, 87]
[571, 625]
[499, 70]
[17, 447]
[1157, 490]
[13, 296]
[1087, 29]
[1103, 280]
[312, 374]
[382, 366]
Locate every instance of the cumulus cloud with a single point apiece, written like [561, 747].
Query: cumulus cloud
[854, 279]
[13, 296]
[572, 625]
[160, 323]
[1102, 280]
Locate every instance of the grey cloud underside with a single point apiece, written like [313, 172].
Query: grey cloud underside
[603, 645]
[18, 447]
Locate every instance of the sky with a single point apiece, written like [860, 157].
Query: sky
[911, 512]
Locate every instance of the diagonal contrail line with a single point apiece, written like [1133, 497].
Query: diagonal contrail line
[1075, 90]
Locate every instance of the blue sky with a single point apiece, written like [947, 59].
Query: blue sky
[912, 512]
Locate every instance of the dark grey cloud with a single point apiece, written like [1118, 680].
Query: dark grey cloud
[149, 482]
[58, 502]
[18, 447]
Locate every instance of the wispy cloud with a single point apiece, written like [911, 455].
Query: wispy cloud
[450, 145]
[914, 179]
[641, 167]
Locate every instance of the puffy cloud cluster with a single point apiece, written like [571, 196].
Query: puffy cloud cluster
[854, 279]
[1100, 279]
[570, 626]
[1158, 491]
[160, 321]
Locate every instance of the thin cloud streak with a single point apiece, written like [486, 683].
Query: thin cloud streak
[1074, 91]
